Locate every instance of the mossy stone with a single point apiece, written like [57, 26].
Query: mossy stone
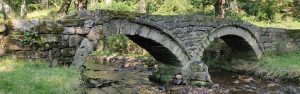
[201, 83]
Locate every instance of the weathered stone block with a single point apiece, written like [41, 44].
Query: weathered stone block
[82, 31]
[69, 30]
[73, 22]
[82, 52]
[95, 34]
[264, 39]
[74, 40]
[67, 52]
[133, 29]
[48, 27]
[65, 37]
[20, 25]
[46, 46]
[88, 23]
[49, 38]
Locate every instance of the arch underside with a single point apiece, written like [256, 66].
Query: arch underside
[161, 46]
[158, 51]
[240, 48]
[241, 42]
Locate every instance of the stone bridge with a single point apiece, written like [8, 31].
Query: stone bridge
[174, 40]
[169, 39]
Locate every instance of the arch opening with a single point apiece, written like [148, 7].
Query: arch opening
[158, 51]
[125, 44]
[159, 44]
[231, 47]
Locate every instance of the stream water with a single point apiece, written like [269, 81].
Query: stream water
[134, 79]
[233, 84]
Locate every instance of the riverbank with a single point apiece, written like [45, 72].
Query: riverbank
[283, 66]
[35, 77]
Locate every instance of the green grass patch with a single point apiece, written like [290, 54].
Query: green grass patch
[35, 77]
[289, 24]
[281, 66]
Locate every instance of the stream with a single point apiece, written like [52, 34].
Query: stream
[132, 77]
[231, 83]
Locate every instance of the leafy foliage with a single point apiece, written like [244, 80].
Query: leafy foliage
[30, 38]
[117, 43]
[173, 7]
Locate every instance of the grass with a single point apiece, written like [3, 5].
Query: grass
[280, 66]
[281, 24]
[43, 14]
[26, 77]
[283, 65]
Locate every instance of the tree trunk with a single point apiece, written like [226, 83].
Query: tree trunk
[142, 6]
[108, 3]
[45, 3]
[234, 6]
[219, 8]
[3, 10]
[23, 8]
[81, 4]
[64, 8]
[296, 8]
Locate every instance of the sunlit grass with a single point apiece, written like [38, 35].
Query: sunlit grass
[282, 24]
[42, 14]
[25, 77]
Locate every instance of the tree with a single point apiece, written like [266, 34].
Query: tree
[219, 8]
[81, 4]
[234, 6]
[108, 3]
[45, 3]
[296, 8]
[3, 10]
[64, 8]
[23, 8]
[142, 6]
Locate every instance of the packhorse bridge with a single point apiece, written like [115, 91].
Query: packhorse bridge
[175, 40]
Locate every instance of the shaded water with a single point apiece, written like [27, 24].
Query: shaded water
[234, 85]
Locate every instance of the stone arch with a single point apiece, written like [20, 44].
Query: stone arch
[159, 44]
[239, 39]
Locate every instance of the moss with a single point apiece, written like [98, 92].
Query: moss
[295, 33]
[73, 22]
[9, 25]
[165, 73]
[121, 14]
[201, 83]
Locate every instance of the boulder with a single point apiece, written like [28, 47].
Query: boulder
[82, 52]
